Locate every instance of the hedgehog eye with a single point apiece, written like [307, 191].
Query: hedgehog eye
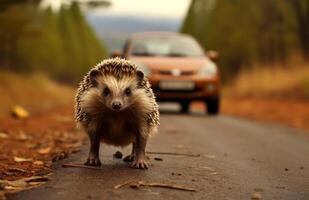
[106, 92]
[128, 91]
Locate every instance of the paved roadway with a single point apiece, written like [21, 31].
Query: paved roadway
[238, 159]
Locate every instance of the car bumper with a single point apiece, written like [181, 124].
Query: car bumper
[203, 88]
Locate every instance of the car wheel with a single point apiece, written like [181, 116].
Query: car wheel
[184, 106]
[213, 105]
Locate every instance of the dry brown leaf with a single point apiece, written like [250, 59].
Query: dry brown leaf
[19, 112]
[38, 162]
[18, 184]
[23, 136]
[16, 170]
[36, 179]
[74, 145]
[25, 182]
[45, 150]
[20, 159]
[3, 135]
[256, 196]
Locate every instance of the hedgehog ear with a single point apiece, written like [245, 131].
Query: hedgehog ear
[140, 75]
[93, 77]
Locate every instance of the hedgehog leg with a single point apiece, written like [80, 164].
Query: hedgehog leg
[93, 157]
[140, 159]
[130, 158]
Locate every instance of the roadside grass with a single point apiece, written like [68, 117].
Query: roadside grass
[273, 93]
[284, 82]
[35, 92]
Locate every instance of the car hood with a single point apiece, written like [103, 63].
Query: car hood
[168, 63]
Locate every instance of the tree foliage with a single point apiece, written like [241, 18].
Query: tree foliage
[61, 44]
[247, 32]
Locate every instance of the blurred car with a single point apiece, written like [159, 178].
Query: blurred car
[177, 68]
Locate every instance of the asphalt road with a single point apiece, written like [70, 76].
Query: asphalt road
[238, 158]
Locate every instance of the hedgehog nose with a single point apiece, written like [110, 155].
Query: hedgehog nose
[116, 105]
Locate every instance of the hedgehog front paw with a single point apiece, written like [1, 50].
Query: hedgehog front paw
[140, 163]
[95, 161]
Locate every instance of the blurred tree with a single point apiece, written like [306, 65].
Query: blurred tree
[301, 11]
[61, 44]
[245, 32]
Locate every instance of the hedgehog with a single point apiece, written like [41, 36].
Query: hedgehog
[115, 105]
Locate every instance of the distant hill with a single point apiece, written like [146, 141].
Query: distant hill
[115, 29]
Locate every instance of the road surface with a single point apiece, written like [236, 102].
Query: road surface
[238, 159]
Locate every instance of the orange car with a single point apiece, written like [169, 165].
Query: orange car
[177, 68]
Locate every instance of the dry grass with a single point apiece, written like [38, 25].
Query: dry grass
[289, 82]
[34, 92]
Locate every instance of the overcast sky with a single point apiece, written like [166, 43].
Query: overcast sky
[147, 8]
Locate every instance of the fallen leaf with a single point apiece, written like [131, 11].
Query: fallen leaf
[16, 170]
[74, 145]
[256, 196]
[22, 136]
[3, 135]
[19, 112]
[45, 150]
[36, 179]
[20, 159]
[25, 182]
[38, 162]
[21, 183]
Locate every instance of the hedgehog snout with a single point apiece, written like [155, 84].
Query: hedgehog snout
[116, 105]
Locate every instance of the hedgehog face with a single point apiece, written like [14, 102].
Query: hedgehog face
[117, 94]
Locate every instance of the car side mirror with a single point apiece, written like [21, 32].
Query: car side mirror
[116, 53]
[213, 55]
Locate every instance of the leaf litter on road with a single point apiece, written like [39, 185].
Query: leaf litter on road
[23, 183]
[21, 159]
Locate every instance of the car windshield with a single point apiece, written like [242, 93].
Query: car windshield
[167, 46]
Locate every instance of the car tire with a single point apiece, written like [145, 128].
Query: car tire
[185, 105]
[213, 105]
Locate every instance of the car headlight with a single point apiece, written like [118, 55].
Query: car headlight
[143, 68]
[210, 69]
